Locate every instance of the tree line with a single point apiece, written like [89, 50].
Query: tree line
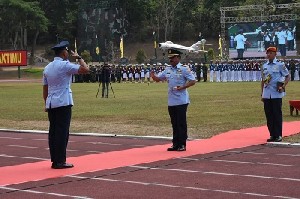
[26, 23]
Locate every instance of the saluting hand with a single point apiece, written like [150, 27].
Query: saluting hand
[73, 54]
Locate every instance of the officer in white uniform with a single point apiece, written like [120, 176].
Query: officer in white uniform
[58, 99]
[179, 78]
[275, 77]
[282, 40]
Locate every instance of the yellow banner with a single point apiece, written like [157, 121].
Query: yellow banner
[121, 47]
[97, 50]
[220, 46]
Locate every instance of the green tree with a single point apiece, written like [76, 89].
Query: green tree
[137, 12]
[210, 54]
[18, 18]
[62, 16]
[86, 55]
[140, 56]
[22, 21]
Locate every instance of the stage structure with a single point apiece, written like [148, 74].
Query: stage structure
[264, 9]
[102, 24]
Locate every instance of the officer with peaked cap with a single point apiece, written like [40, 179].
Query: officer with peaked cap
[179, 78]
[61, 46]
[275, 77]
[58, 100]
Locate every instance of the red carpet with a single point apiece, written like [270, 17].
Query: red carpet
[95, 162]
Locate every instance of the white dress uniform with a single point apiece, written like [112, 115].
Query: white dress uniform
[211, 72]
[296, 74]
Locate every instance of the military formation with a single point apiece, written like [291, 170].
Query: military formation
[218, 71]
[235, 71]
[134, 73]
[246, 70]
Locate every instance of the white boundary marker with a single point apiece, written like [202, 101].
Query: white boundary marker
[92, 134]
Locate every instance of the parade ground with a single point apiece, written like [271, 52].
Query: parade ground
[118, 145]
[234, 164]
[140, 109]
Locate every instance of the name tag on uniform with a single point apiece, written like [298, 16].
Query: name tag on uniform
[179, 72]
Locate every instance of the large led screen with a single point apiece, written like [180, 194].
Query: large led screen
[249, 40]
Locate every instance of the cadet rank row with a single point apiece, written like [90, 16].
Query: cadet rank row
[231, 71]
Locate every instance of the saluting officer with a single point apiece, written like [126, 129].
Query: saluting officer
[275, 77]
[179, 78]
[58, 99]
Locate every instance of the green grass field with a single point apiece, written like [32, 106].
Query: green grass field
[141, 109]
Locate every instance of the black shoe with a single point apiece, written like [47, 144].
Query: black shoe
[173, 148]
[61, 165]
[181, 148]
[271, 139]
[275, 139]
[278, 139]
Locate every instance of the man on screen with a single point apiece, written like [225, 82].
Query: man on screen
[282, 40]
[240, 44]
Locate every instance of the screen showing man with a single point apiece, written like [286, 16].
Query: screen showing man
[259, 37]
